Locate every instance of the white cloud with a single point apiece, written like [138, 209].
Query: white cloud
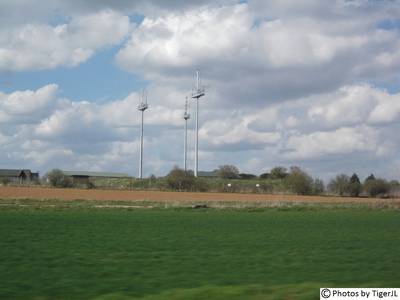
[388, 109]
[187, 39]
[247, 58]
[233, 134]
[27, 106]
[183, 40]
[40, 46]
[84, 135]
[18, 11]
[354, 105]
[265, 119]
[121, 113]
[340, 141]
[286, 82]
[349, 106]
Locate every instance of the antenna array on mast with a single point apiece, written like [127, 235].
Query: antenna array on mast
[143, 101]
[197, 93]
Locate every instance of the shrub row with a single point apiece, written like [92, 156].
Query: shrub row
[279, 180]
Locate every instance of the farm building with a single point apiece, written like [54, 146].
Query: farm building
[211, 174]
[18, 176]
[83, 177]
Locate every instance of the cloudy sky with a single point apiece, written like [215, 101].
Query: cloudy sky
[309, 83]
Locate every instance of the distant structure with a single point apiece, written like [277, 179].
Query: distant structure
[197, 93]
[83, 177]
[142, 107]
[209, 174]
[186, 117]
[19, 176]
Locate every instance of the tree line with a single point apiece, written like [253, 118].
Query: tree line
[293, 180]
[228, 178]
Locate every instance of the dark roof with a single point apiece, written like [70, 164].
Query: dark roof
[207, 174]
[11, 172]
[96, 174]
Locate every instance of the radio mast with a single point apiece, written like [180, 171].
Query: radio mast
[196, 94]
[186, 117]
[142, 107]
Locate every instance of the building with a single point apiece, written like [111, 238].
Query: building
[20, 176]
[209, 174]
[83, 177]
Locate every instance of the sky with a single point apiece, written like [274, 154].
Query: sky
[307, 83]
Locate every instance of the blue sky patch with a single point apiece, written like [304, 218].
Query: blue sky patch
[98, 79]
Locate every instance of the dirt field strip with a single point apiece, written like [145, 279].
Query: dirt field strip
[41, 193]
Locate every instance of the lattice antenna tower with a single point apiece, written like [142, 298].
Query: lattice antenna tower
[142, 107]
[197, 93]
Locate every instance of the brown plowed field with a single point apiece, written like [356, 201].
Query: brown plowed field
[41, 193]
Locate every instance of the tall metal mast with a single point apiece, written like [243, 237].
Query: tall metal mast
[196, 94]
[186, 116]
[142, 107]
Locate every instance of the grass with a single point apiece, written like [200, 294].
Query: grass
[87, 253]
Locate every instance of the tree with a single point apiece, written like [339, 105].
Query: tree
[355, 186]
[299, 182]
[265, 175]
[228, 172]
[370, 177]
[180, 180]
[57, 178]
[247, 176]
[318, 187]
[279, 173]
[376, 187]
[340, 185]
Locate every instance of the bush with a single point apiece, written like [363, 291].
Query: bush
[299, 182]
[229, 188]
[279, 173]
[5, 181]
[318, 187]
[201, 185]
[376, 187]
[394, 188]
[339, 185]
[265, 187]
[90, 185]
[228, 172]
[180, 180]
[57, 178]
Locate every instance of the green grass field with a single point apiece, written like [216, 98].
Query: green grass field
[52, 253]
